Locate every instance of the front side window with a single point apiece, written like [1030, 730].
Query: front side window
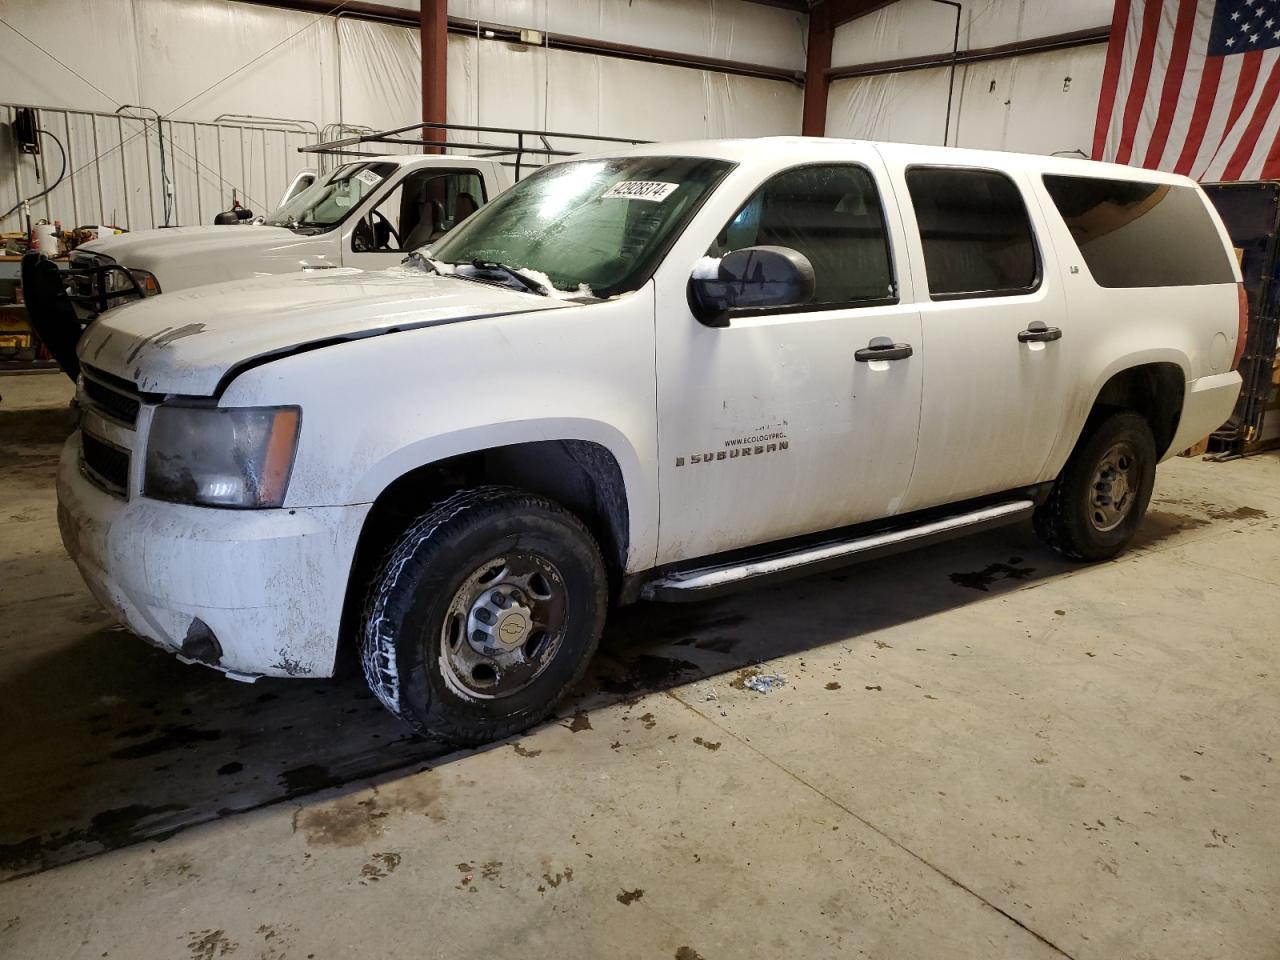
[598, 227]
[831, 213]
[330, 200]
[1133, 234]
[975, 232]
[419, 210]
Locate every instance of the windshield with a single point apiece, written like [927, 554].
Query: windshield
[329, 200]
[597, 227]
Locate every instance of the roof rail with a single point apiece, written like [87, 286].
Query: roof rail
[541, 145]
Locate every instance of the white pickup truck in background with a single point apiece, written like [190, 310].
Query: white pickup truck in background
[365, 214]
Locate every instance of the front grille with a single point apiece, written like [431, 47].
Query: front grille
[105, 465]
[111, 396]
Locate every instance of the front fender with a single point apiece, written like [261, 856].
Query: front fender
[641, 512]
[376, 408]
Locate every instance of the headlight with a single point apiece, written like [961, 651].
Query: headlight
[117, 282]
[221, 457]
[147, 281]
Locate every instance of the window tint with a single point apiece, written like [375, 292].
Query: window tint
[975, 232]
[1141, 234]
[831, 214]
[422, 208]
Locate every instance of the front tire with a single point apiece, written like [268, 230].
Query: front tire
[1101, 496]
[485, 612]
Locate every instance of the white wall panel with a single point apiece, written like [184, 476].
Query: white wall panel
[728, 29]
[912, 28]
[1039, 103]
[905, 107]
[95, 36]
[187, 47]
[193, 60]
[381, 74]
[519, 86]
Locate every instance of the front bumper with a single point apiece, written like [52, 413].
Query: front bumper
[269, 584]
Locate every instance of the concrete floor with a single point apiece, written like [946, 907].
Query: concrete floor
[980, 751]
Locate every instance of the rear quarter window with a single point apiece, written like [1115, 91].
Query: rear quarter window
[1133, 234]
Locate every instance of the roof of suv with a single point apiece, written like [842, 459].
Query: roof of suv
[810, 148]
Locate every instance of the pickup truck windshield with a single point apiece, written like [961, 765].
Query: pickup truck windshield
[598, 224]
[329, 200]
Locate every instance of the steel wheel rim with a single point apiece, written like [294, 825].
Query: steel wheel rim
[1114, 488]
[503, 626]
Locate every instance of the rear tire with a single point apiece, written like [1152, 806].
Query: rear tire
[1101, 496]
[485, 612]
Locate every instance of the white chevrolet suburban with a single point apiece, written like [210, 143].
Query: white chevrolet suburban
[365, 214]
[660, 373]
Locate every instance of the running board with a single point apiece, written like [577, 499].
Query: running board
[704, 582]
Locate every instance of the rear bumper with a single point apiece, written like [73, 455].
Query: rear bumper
[1206, 406]
[269, 584]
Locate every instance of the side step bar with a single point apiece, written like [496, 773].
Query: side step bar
[705, 582]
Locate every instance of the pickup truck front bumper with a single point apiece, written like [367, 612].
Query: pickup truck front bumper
[266, 586]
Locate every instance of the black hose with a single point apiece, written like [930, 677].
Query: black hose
[49, 189]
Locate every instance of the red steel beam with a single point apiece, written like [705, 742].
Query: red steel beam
[813, 121]
[435, 59]
[824, 17]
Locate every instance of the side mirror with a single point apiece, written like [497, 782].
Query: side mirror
[752, 278]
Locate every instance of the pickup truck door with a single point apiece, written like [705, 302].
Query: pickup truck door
[997, 381]
[411, 210]
[783, 423]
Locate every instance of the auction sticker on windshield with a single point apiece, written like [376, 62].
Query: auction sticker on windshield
[640, 190]
[368, 178]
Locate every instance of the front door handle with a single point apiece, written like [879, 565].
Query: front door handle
[882, 348]
[1037, 332]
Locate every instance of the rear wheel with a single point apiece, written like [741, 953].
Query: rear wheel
[485, 612]
[1102, 493]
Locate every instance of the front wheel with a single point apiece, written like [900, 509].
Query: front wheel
[484, 614]
[1101, 495]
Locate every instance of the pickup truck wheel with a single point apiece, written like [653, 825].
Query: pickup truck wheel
[1102, 493]
[483, 615]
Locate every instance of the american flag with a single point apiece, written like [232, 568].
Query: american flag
[1193, 86]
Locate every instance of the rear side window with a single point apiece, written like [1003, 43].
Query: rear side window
[1141, 234]
[975, 232]
[831, 214]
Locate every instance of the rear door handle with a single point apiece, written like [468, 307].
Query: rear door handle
[882, 348]
[1037, 332]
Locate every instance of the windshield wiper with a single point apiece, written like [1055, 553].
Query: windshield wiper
[511, 273]
[421, 258]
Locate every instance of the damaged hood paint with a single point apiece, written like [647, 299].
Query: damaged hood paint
[186, 342]
[182, 257]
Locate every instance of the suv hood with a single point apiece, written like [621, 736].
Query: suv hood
[185, 343]
[182, 257]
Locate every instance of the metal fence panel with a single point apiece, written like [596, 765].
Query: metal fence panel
[114, 170]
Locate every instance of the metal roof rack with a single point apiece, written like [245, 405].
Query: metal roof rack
[541, 146]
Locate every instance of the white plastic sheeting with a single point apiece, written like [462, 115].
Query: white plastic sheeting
[1033, 103]
[175, 55]
[1040, 103]
[195, 60]
[727, 29]
[912, 28]
[172, 55]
